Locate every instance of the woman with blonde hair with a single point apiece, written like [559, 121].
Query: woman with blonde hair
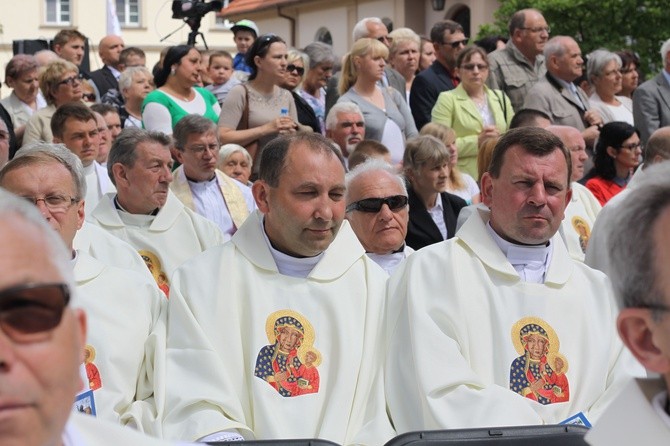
[404, 54]
[432, 210]
[459, 183]
[386, 114]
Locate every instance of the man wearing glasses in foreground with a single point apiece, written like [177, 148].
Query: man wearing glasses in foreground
[42, 338]
[378, 213]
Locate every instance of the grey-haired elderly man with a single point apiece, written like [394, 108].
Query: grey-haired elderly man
[124, 346]
[378, 213]
[640, 272]
[345, 126]
[144, 213]
[199, 184]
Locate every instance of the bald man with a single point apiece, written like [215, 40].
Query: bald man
[107, 77]
[581, 212]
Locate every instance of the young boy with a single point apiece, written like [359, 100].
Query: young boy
[244, 33]
[220, 71]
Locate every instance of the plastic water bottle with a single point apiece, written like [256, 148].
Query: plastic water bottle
[284, 112]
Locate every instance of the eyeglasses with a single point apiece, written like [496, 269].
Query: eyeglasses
[28, 311]
[291, 68]
[472, 66]
[457, 43]
[71, 80]
[539, 29]
[201, 149]
[627, 70]
[374, 205]
[387, 39]
[631, 147]
[55, 203]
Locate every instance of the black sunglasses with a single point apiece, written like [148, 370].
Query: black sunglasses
[457, 43]
[28, 311]
[291, 68]
[374, 205]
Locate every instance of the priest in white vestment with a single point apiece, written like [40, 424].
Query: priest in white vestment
[278, 333]
[378, 213]
[199, 184]
[144, 213]
[124, 352]
[583, 208]
[499, 326]
[75, 125]
[640, 267]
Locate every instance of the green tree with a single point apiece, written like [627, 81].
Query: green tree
[640, 26]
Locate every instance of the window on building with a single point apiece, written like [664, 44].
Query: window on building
[57, 12]
[128, 12]
[323, 35]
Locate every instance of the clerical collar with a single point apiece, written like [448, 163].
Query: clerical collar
[118, 206]
[209, 181]
[89, 169]
[388, 262]
[661, 406]
[530, 261]
[287, 264]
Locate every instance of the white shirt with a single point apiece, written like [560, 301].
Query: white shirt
[437, 214]
[289, 265]
[529, 261]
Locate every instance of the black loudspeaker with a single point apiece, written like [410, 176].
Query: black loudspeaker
[33, 46]
[29, 46]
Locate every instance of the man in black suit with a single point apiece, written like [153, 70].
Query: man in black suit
[448, 39]
[107, 77]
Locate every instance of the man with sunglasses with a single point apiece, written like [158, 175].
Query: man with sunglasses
[292, 280]
[638, 269]
[373, 28]
[378, 213]
[501, 312]
[125, 308]
[518, 66]
[448, 39]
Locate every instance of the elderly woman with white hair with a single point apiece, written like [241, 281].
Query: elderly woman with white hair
[134, 85]
[604, 72]
[236, 162]
[404, 54]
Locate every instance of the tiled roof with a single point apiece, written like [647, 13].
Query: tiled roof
[237, 7]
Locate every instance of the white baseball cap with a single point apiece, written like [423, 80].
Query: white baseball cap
[246, 25]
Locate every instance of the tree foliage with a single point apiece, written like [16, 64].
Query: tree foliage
[640, 26]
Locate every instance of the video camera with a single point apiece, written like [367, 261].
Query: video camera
[193, 9]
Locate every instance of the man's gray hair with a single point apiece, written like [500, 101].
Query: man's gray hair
[341, 107]
[42, 152]
[192, 125]
[369, 166]
[361, 28]
[634, 272]
[598, 60]
[658, 144]
[555, 46]
[55, 249]
[665, 48]
[123, 148]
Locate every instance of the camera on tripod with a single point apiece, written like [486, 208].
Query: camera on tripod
[193, 9]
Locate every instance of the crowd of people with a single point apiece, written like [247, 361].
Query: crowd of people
[421, 234]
